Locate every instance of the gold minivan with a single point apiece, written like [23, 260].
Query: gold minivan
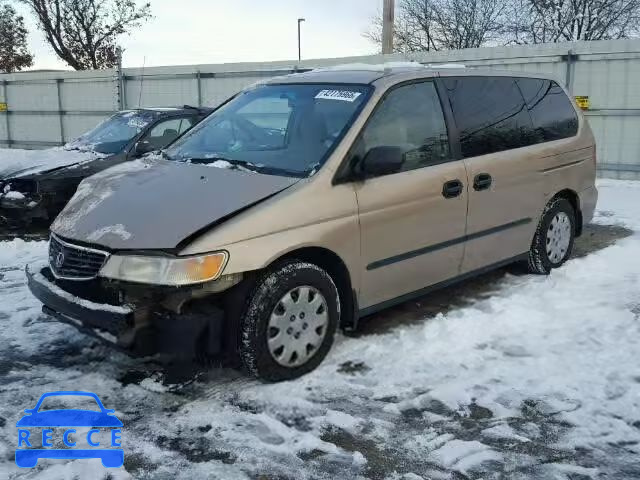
[312, 200]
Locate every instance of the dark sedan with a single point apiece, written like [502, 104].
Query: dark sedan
[34, 188]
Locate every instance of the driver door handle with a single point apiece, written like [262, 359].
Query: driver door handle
[452, 189]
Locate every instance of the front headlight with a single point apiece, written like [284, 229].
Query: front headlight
[172, 271]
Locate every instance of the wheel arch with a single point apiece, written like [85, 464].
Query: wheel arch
[331, 262]
[573, 198]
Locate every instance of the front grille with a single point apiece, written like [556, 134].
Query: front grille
[74, 262]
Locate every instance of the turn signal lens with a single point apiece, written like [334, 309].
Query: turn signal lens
[196, 269]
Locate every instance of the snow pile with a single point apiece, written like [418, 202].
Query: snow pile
[15, 162]
[531, 377]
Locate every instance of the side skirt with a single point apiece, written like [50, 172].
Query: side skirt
[437, 286]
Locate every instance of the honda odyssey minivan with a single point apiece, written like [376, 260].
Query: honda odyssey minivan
[310, 201]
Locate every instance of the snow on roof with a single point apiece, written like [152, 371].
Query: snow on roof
[381, 67]
[375, 67]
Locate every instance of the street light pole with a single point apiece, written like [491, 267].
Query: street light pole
[300, 20]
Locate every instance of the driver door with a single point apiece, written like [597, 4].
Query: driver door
[413, 221]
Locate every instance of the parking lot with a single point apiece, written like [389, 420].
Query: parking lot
[530, 376]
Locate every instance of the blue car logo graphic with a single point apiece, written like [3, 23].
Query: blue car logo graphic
[28, 457]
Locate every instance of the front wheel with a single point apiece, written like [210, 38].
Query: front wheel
[289, 321]
[553, 241]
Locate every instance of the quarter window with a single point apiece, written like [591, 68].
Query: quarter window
[551, 111]
[410, 117]
[490, 114]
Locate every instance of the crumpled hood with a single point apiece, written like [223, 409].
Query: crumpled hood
[155, 204]
[16, 163]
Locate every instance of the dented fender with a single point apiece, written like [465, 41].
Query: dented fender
[295, 219]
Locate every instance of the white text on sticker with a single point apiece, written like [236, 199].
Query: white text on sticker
[344, 95]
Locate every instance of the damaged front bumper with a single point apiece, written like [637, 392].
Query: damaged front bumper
[183, 335]
[18, 210]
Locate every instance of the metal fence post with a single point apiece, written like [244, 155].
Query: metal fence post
[7, 123]
[60, 111]
[570, 58]
[199, 87]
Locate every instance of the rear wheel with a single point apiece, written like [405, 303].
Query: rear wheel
[289, 321]
[553, 241]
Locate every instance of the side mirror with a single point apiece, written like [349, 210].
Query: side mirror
[142, 147]
[381, 161]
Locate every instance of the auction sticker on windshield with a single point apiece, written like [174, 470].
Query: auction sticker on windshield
[49, 430]
[344, 95]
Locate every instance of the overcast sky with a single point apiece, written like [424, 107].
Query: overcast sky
[216, 31]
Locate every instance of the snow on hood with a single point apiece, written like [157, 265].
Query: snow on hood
[155, 204]
[17, 163]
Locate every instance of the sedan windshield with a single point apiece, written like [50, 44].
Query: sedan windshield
[275, 129]
[113, 135]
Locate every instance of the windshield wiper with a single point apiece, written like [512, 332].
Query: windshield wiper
[235, 164]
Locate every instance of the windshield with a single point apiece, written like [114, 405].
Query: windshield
[275, 129]
[113, 135]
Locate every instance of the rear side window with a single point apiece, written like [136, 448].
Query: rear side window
[490, 114]
[551, 111]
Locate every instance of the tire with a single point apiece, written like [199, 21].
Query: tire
[274, 300]
[540, 261]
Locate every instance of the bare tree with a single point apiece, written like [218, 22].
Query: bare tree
[84, 33]
[14, 54]
[543, 21]
[469, 23]
[425, 25]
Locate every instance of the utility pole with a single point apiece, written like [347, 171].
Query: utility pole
[388, 9]
[300, 20]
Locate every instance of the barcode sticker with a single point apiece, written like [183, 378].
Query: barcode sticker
[344, 95]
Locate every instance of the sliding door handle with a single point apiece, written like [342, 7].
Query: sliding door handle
[482, 181]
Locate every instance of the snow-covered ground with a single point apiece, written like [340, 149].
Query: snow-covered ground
[525, 377]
